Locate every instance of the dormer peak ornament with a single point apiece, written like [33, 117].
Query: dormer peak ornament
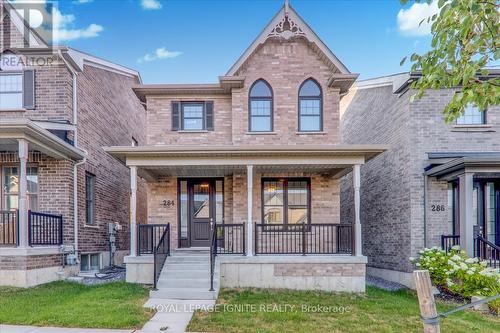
[286, 29]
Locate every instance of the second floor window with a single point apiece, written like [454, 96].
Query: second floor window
[260, 101]
[193, 116]
[310, 107]
[472, 116]
[11, 90]
[89, 198]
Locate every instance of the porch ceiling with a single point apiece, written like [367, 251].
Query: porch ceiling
[39, 139]
[225, 170]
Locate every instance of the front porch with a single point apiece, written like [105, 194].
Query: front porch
[473, 204]
[34, 163]
[277, 205]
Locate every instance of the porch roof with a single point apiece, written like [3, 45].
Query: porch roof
[39, 139]
[220, 160]
[475, 164]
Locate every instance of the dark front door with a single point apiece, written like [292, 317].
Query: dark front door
[202, 210]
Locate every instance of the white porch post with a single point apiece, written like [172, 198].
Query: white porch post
[23, 197]
[356, 179]
[249, 210]
[133, 211]
[466, 185]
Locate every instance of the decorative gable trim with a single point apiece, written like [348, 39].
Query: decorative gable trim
[288, 24]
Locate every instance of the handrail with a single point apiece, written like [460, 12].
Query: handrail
[448, 241]
[160, 253]
[148, 237]
[486, 250]
[213, 252]
[45, 229]
[230, 238]
[309, 238]
[9, 228]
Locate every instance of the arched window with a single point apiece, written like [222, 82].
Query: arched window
[310, 107]
[260, 105]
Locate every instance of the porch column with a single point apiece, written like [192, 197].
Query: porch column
[466, 186]
[133, 211]
[356, 179]
[249, 210]
[23, 197]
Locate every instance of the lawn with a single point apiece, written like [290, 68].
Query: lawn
[251, 310]
[66, 304]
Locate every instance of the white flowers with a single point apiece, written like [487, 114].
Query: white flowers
[456, 247]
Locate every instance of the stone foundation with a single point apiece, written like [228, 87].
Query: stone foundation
[140, 269]
[403, 278]
[332, 273]
[33, 266]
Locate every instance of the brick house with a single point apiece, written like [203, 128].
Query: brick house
[437, 185]
[258, 159]
[58, 108]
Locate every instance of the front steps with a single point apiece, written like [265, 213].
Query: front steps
[186, 276]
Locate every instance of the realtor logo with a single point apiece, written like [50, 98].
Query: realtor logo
[26, 25]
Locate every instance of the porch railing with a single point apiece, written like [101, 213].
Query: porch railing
[448, 241]
[160, 253]
[303, 239]
[486, 250]
[45, 229]
[230, 239]
[149, 236]
[9, 232]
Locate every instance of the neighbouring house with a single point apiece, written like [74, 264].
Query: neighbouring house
[59, 189]
[437, 185]
[249, 167]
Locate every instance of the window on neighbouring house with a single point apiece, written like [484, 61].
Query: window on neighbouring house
[11, 90]
[310, 107]
[472, 116]
[286, 201]
[260, 107]
[89, 198]
[11, 187]
[90, 262]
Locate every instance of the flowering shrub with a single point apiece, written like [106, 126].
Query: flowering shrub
[458, 274]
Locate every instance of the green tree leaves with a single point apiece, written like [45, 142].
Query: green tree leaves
[465, 39]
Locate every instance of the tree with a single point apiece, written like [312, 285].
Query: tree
[465, 38]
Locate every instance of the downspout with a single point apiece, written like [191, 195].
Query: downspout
[425, 209]
[75, 143]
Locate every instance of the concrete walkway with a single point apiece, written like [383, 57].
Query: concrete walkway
[172, 315]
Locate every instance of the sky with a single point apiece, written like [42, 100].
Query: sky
[196, 41]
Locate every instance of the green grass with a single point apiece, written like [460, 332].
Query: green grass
[375, 311]
[66, 304]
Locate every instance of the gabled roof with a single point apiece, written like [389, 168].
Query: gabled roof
[287, 24]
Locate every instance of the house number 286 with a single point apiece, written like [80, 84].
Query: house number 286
[437, 208]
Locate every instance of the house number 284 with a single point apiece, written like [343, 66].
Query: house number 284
[437, 208]
[168, 203]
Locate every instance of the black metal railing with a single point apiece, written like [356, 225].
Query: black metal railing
[213, 252]
[44, 229]
[448, 241]
[230, 238]
[148, 237]
[9, 231]
[320, 238]
[486, 250]
[160, 253]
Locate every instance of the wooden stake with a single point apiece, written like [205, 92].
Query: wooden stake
[426, 301]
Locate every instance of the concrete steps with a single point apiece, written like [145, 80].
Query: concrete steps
[186, 276]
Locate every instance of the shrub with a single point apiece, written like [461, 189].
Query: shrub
[457, 274]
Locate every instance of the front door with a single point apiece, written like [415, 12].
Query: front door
[202, 211]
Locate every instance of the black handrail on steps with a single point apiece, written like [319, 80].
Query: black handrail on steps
[160, 253]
